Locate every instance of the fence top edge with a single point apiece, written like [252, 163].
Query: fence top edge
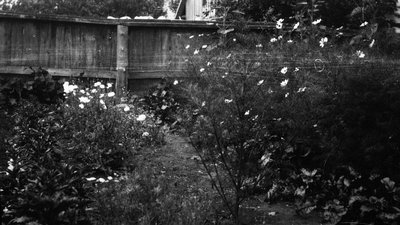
[133, 22]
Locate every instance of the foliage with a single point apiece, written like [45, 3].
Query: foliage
[164, 102]
[89, 8]
[264, 108]
[141, 198]
[53, 149]
[38, 185]
[42, 88]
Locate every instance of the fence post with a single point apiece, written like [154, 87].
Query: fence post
[122, 59]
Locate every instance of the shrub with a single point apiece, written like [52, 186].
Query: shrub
[53, 151]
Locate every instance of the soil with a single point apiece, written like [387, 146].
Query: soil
[177, 160]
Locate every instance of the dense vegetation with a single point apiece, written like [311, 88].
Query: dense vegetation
[306, 113]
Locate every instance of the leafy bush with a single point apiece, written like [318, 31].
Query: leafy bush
[164, 102]
[53, 151]
[262, 112]
[142, 198]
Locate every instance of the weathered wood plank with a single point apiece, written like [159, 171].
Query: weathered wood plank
[107, 74]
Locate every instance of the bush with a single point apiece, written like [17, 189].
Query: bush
[263, 112]
[53, 151]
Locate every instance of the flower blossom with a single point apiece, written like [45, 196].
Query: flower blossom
[126, 108]
[323, 41]
[279, 24]
[316, 21]
[196, 52]
[360, 54]
[260, 82]
[69, 88]
[284, 70]
[227, 101]
[97, 84]
[111, 94]
[109, 85]
[284, 83]
[145, 134]
[81, 106]
[141, 117]
[364, 24]
[273, 40]
[202, 70]
[176, 82]
[84, 99]
[259, 46]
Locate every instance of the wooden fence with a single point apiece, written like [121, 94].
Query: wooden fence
[130, 51]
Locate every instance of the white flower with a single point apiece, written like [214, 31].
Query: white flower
[164, 107]
[247, 113]
[93, 91]
[102, 102]
[191, 37]
[229, 56]
[145, 134]
[81, 106]
[372, 43]
[290, 41]
[91, 178]
[126, 108]
[109, 178]
[109, 85]
[98, 83]
[203, 104]
[204, 46]
[227, 101]
[316, 22]
[364, 24]
[202, 70]
[303, 89]
[10, 165]
[176, 82]
[111, 94]
[323, 41]
[296, 69]
[82, 91]
[360, 54]
[260, 82]
[187, 46]
[209, 63]
[234, 39]
[279, 24]
[102, 86]
[101, 96]
[101, 180]
[286, 95]
[284, 83]
[259, 46]
[280, 37]
[196, 52]
[201, 35]
[84, 99]
[273, 40]
[284, 70]
[141, 117]
[296, 26]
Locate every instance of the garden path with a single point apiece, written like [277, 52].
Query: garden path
[177, 160]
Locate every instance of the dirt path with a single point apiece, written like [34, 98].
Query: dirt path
[177, 160]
